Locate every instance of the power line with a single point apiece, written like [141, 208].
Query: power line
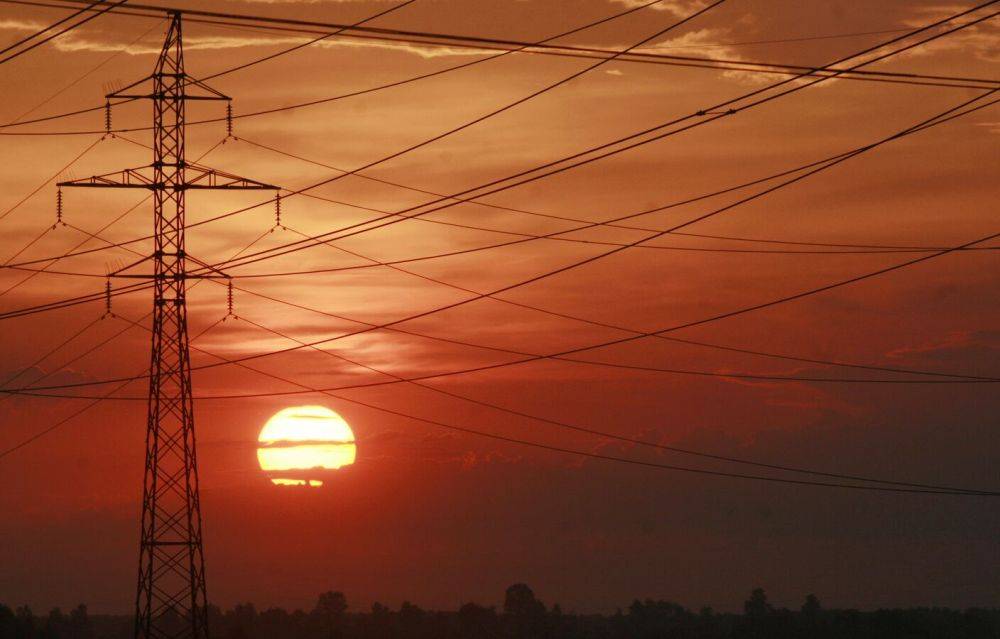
[864, 149]
[849, 249]
[49, 38]
[714, 318]
[43, 31]
[303, 244]
[82, 77]
[591, 431]
[479, 41]
[845, 156]
[711, 63]
[608, 223]
[45, 183]
[608, 149]
[80, 411]
[901, 486]
[470, 431]
[53, 260]
[615, 327]
[351, 94]
[910, 130]
[457, 197]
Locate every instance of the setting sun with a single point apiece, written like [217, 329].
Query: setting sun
[298, 443]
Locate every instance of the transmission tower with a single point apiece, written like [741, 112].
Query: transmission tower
[171, 601]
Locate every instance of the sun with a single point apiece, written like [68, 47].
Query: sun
[301, 443]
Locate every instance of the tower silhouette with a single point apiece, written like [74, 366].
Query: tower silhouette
[171, 600]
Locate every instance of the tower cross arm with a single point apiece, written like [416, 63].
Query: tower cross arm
[203, 177]
[195, 177]
[124, 179]
[145, 89]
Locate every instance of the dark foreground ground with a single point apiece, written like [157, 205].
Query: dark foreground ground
[524, 617]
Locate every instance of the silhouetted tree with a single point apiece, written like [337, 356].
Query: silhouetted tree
[79, 623]
[56, 625]
[757, 613]
[525, 614]
[476, 621]
[811, 607]
[8, 624]
[519, 601]
[525, 618]
[24, 623]
[757, 605]
[331, 607]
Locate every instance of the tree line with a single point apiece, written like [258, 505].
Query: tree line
[523, 616]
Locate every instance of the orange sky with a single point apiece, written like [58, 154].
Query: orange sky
[437, 517]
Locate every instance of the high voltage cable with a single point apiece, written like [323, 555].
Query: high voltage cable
[862, 247]
[78, 412]
[82, 77]
[132, 288]
[51, 261]
[899, 485]
[397, 217]
[351, 94]
[510, 180]
[605, 325]
[701, 113]
[129, 325]
[853, 153]
[49, 38]
[581, 158]
[592, 455]
[476, 41]
[820, 80]
[607, 223]
[584, 429]
[681, 326]
[423, 76]
[590, 431]
[225, 72]
[898, 488]
[730, 459]
[44, 30]
[576, 318]
[45, 183]
[562, 35]
[62, 344]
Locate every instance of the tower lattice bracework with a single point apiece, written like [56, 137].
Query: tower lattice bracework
[171, 599]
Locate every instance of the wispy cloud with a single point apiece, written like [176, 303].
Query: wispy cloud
[679, 8]
[74, 43]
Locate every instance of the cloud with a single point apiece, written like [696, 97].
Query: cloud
[678, 8]
[992, 127]
[20, 25]
[958, 350]
[981, 40]
[75, 43]
[709, 37]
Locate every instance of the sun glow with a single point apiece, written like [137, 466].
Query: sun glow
[300, 443]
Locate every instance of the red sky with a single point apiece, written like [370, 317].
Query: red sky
[439, 517]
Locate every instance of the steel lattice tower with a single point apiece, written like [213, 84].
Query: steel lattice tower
[171, 600]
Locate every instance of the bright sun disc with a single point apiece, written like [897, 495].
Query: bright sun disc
[299, 443]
